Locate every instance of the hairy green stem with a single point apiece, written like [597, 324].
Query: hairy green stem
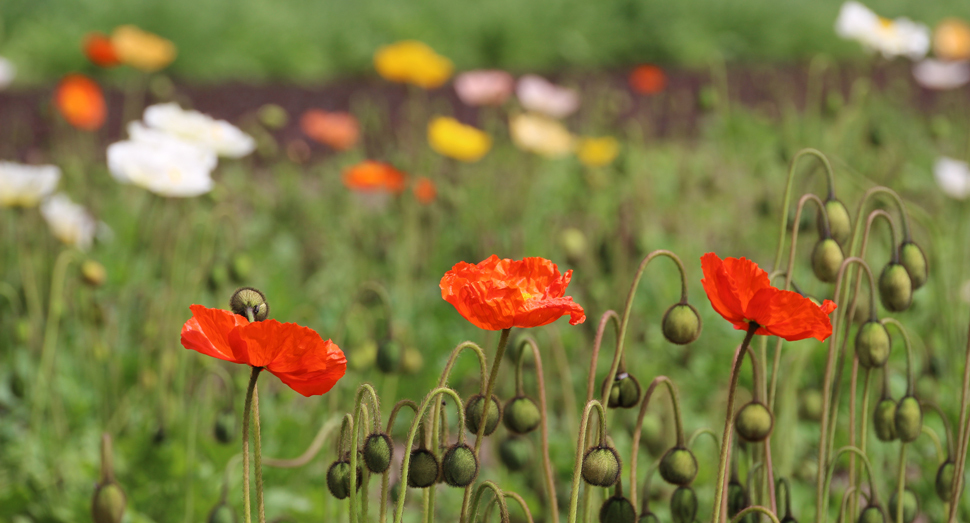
[597, 342]
[754, 509]
[247, 414]
[787, 199]
[581, 450]
[964, 437]
[679, 427]
[901, 479]
[549, 477]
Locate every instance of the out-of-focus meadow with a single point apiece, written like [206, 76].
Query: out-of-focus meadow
[348, 179]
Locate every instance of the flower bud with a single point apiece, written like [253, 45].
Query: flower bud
[754, 422]
[909, 419]
[378, 451]
[395, 492]
[737, 498]
[840, 225]
[618, 509]
[872, 344]
[473, 414]
[895, 288]
[249, 300]
[240, 268]
[459, 466]
[910, 505]
[648, 517]
[601, 466]
[625, 392]
[222, 513]
[811, 405]
[338, 478]
[108, 504]
[944, 480]
[678, 466]
[914, 260]
[515, 453]
[872, 514]
[683, 505]
[389, 355]
[681, 324]
[225, 427]
[93, 273]
[827, 260]
[521, 415]
[884, 419]
[424, 470]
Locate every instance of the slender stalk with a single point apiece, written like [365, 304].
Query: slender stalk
[644, 403]
[549, 478]
[831, 469]
[360, 414]
[787, 199]
[753, 509]
[700, 432]
[107, 460]
[591, 377]
[47, 354]
[964, 438]
[311, 451]
[580, 451]
[926, 404]
[499, 495]
[523, 504]
[247, 414]
[258, 455]
[901, 478]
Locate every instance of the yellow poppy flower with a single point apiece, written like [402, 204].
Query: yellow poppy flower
[597, 152]
[412, 62]
[540, 135]
[141, 49]
[454, 139]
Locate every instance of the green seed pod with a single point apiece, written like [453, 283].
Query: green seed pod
[389, 355]
[222, 513]
[840, 225]
[678, 466]
[395, 491]
[648, 517]
[618, 509]
[872, 514]
[625, 392]
[681, 324]
[378, 451]
[225, 426]
[459, 466]
[737, 498]
[754, 422]
[910, 505]
[515, 453]
[810, 407]
[884, 419]
[249, 300]
[827, 259]
[338, 478]
[683, 505]
[241, 268]
[601, 466]
[521, 415]
[108, 504]
[912, 258]
[873, 344]
[895, 288]
[908, 419]
[944, 480]
[424, 469]
[473, 414]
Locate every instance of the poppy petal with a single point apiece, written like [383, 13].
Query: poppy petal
[746, 279]
[208, 332]
[718, 287]
[790, 315]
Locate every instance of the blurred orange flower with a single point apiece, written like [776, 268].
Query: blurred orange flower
[412, 62]
[98, 49]
[951, 40]
[339, 131]
[141, 49]
[648, 79]
[372, 176]
[425, 191]
[80, 101]
[454, 139]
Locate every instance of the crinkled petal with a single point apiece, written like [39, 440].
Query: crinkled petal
[208, 332]
[536, 313]
[790, 315]
[719, 290]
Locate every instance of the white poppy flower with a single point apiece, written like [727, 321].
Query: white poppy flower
[26, 185]
[192, 126]
[484, 87]
[69, 221]
[953, 177]
[899, 37]
[7, 72]
[941, 74]
[537, 94]
[540, 135]
[161, 163]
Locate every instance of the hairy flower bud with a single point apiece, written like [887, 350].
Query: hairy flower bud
[827, 260]
[378, 451]
[618, 509]
[944, 480]
[840, 225]
[648, 517]
[872, 514]
[911, 257]
[338, 478]
[389, 355]
[754, 422]
[624, 392]
[683, 505]
[521, 415]
[678, 466]
[681, 324]
[908, 419]
[873, 344]
[108, 504]
[515, 453]
[601, 466]
[473, 414]
[459, 466]
[910, 505]
[249, 301]
[895, 288]
[424, 469]
[884, 419]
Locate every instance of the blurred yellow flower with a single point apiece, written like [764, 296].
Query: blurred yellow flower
[141, 49]
[951, 40]
[454, 139]
[597, 152]
[412, 62]
[540, 135]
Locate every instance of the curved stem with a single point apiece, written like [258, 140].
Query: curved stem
[368, 390]
[782, 482]
[941, 455]
[700, 432]
[524, 505]
[751, 510]
[311, 451]
[581, 450]
[946, 424]
[847, 499]
[499, 495]
[483, 365]
[549, 478]
[788, 184]
[899, 206]
[644, 403]
[397, 408]
[604, 319]
[910, 380]
[247, 414]
[831, 469]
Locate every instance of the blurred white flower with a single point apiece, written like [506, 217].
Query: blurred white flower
[69, 221]
[540, 135]
[26, 185]
[899, 37]
[192, 126]
[162, 163]
[940, 74]
[7, 72]
[537, 94]
[485, 87]
[953, 177]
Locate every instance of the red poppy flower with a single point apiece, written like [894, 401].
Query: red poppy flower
[98, 49]
[740, 292]
[296, 355]
[337, 130]
[371, 176]
[500, 294]
[425, 191]
[80, 102]
[648, 79]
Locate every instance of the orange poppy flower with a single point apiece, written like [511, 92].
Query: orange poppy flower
[337, 130]
[425, 191]
[296, 355]
[648, 79]
[740, 292]
[98, 49]
[500, 294]
[80, 102]
[371, 176]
